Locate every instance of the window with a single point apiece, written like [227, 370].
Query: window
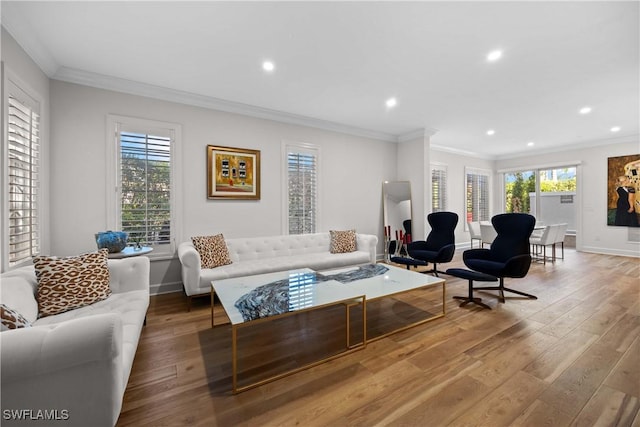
[548, 193]
[518, 186]
[302, 188]
[438, 188]
[145, 199]
[477, 183]
[23, 179]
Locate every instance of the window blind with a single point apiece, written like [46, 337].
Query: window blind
[302, 189]
[438, 188]
[477, 199]
[145, 188]
[23, 178]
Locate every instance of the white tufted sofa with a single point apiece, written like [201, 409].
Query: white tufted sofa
[257, 255]
[77, 362]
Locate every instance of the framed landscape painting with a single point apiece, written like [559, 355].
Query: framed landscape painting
[233, 173]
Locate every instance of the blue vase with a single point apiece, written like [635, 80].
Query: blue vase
[114, 241]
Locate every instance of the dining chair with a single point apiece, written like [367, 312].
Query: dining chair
[561, 231]
[539, 243]
[487, 233]
[474, 232]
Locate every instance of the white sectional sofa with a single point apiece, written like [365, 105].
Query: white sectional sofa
[75, 364]
[257, 255]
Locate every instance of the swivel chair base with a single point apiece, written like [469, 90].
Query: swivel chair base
[434, 270]
[413, 262]
[469, 299]
[503, 289]
[471, 276]
[409, 262]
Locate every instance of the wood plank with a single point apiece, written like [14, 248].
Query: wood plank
[575, 386]
[456, 399]
[602, 320]
[626, 375]
[508, 336]
[324, 409]
[540, 414]
[501, 364]
[570, 321]
[555, 310]
[554, 361]
[623, 333]
[504, 404]
[412, 394]
[609, 407]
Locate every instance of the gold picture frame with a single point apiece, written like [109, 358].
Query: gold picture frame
[233, 173]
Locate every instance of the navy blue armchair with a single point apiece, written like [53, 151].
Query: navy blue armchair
[508, 255]
[441, 242]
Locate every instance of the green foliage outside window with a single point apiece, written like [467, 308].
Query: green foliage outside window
[145, 191]
[518, 185]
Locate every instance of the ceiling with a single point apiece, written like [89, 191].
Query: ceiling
[336, 63]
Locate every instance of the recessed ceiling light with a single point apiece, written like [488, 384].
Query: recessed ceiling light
[494, 55]
[391, 102]
[615, 129]
[491, 132]
[268, 66]
[585, 110]
[530, 144]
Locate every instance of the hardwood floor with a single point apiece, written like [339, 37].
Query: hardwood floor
[570, 358]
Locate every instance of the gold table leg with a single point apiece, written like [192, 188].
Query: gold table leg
[212, 299]
[349, 349]
[420, 322]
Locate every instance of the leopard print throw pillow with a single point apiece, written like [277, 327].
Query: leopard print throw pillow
[342, 241]
[212, 249]
[73, 282]
[11, 319]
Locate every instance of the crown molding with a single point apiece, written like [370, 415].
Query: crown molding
[460, 152]
[418, 133]
[101, 81]
[575, 146]
[22, 32]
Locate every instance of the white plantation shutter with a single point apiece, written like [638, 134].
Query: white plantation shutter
[477, 195]
[23, 152]
[438, 188]
[302, 185]
[145, 188]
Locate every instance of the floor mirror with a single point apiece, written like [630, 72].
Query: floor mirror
[396, 206]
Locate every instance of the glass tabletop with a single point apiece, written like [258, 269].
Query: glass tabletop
[394, 281]
[265, 295]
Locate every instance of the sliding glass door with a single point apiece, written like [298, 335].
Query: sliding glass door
[548, 194]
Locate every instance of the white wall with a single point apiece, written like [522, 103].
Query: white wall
[412, 156]
[553, 211]
[592, 233]
[352, 170]
[456, 165]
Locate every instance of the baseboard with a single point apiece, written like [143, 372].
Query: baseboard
[165, 288]
[608, 251]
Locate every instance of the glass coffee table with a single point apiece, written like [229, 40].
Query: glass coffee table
[250, 300]
[394, 282]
